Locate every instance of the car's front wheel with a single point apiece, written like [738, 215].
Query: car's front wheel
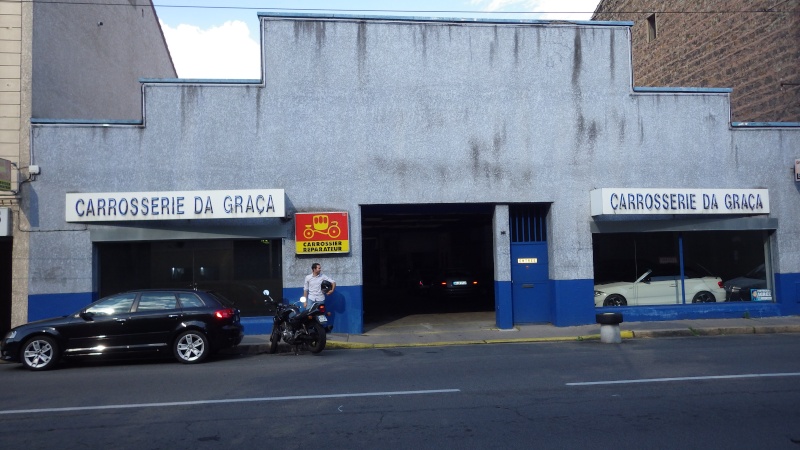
[191, 347]
[615, 300]
[40, 353]
[704, 297]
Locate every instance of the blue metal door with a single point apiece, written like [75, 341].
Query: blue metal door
[530, 285]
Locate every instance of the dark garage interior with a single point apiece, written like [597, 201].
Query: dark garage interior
[409, 251]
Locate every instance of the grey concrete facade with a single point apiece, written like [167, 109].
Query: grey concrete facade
[58, 62]
[383, 111]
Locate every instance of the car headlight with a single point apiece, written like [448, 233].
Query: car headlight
[599, 293]
[11, 334]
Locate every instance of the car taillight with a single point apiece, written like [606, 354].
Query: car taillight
[721, 286]
[474, 283]
[224, 313]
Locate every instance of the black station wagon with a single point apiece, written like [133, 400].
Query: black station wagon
[190, 324]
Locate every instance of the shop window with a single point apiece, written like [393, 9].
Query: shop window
[239, 270]
[670, 268]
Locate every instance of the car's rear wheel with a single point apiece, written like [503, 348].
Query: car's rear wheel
[40, 353]
[191, 347]
[704, 297]
[615, 300]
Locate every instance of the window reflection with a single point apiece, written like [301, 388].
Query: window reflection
[670, 268]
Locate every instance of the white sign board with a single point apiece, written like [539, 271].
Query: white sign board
[5, 222]
[175, 205]
[619, 201]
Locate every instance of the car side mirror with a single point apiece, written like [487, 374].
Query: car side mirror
[88, 316]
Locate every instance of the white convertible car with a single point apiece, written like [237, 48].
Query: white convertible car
[659, 290]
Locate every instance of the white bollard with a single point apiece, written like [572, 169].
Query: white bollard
[609, 334]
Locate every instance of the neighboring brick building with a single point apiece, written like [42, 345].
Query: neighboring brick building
[750, 46]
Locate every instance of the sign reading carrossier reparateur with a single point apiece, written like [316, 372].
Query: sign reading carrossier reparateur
[321, 232]
[174, 205]
[614, 201]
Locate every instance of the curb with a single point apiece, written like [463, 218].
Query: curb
[254, 349]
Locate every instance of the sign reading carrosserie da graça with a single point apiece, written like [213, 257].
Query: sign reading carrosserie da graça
[321, 232]
[621, 201]
[175, 205]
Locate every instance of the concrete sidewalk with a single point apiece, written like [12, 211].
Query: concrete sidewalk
[480, 328]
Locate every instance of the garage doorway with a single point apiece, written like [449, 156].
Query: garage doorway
[427, 259]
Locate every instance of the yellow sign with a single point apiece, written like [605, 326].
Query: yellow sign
[321, 233]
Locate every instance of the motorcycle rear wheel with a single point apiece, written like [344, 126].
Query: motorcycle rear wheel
[318, 337]
[274, 338]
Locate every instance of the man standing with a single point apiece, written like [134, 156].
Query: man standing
[312, 286]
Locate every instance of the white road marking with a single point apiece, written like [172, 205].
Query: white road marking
[236, 400]
[659, 380]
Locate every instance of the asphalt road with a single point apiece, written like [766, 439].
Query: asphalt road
[710, 392]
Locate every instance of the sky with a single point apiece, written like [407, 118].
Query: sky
[219, 39]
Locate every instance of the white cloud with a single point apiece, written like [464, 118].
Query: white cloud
[551, 6]
[221, 52]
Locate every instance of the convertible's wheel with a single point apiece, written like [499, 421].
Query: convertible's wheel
[274, 338]
[191, 347]
[615, 300]
[704, 297]
[319, 339]
[40, 353]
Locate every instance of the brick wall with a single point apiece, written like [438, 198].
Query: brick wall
[752, 46]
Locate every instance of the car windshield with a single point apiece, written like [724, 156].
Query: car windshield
[759, 272]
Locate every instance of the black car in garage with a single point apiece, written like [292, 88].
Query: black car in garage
[189, 324]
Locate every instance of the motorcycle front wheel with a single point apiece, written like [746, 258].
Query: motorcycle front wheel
[274, 338]
[318, 339]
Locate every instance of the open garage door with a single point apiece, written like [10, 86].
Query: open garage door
[423, 259]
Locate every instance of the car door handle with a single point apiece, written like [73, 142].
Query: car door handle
[120, 320]
[172, 316]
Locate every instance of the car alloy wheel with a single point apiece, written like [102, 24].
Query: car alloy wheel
[191, 347]
[704, 297]
[40, 353]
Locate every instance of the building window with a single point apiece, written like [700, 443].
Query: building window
[680, 268]
[236, 269]
[651, 27]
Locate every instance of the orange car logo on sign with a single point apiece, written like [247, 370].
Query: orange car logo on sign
[322, 233]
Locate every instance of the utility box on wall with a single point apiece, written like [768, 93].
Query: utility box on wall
[797, 170]
[5, 221]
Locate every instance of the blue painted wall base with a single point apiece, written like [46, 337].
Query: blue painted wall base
[504, 316]
[787, 292]
[733, 310]
[45, 306]
[573, 302]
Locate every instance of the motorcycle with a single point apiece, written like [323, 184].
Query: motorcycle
[298, 326]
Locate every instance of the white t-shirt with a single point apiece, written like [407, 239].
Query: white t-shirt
[313, 285]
